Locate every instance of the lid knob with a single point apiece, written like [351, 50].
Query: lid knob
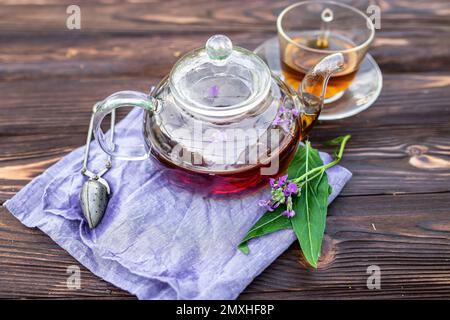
[219, 47]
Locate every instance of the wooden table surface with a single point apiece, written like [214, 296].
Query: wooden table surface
[394, 213]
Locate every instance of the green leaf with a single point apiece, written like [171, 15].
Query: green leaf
[270, 222]
[311, 205]
[243, 247]
[298, 165]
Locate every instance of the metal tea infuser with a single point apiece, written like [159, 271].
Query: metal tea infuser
[95, 192]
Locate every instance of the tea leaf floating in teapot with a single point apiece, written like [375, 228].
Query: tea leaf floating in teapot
[285, 118]
[213, 92]
[299, 201]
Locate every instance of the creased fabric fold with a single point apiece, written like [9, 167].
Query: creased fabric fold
[156, 240]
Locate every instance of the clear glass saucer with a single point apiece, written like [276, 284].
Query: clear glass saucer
[361, 94]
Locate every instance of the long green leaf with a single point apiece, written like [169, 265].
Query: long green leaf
[305, 157]
[311, 205]
[270, 222]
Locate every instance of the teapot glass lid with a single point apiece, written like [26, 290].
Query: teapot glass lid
[220, 80]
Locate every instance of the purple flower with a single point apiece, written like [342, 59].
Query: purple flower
[272, 182]
[282, 180]
[290, 189]
[267, 204]
[289, 213]
[295, 112]
[282, 109]
[213, 92]
[287, 124]
[283, 123]
[277, 121]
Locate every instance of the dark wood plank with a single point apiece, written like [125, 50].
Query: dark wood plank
[407, 236]
[74, 56]
[392, 150]
[144, 39]
[168, 16]
[51, 105]
[407, 161]
[32, 266]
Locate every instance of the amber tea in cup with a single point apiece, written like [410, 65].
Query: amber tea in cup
[309, 31]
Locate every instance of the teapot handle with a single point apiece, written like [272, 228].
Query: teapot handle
[118, 100]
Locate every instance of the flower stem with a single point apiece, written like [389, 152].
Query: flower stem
[328, 165]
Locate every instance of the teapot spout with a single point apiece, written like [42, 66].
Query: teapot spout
[313, 87]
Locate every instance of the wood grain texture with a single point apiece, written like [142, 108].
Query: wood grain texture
[141, 38]
[33, 266]
[391, 143]
[393, 213]
[401, 234]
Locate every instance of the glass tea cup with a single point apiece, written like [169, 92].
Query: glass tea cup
[308, 31]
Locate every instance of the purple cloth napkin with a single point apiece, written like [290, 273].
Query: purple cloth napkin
[156, 240]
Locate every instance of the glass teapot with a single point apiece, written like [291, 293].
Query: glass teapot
[221, 120]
